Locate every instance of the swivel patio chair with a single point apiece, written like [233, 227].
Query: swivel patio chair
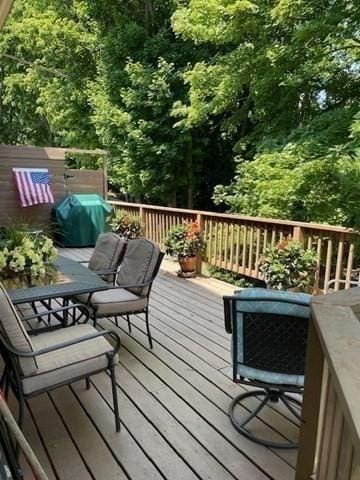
[107, 256]
[269, 335]
[40, 363]
[130, 294]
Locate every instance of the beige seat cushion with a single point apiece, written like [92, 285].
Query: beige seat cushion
[114, 302]
[67, 364]
[107, 254]
[12, 329]
[139, 264]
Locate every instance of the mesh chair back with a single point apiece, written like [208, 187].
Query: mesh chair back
[269, 329]
[140, 265]
[13, 331]
[107, 254]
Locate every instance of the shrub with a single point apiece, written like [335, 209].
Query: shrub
[288, 265]
[234, 278]
[126, 225]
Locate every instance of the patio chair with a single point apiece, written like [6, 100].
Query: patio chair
[130, 294]
[107, 256]
[269, 334]
[37, 364]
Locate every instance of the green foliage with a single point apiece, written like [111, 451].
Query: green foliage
[182, 92]
[20, 252]
[110, 74]
[126, 225]
[288, 265]
[230, 277]
[49, 60]
[184, 240]
[312, 175]
[285, 77]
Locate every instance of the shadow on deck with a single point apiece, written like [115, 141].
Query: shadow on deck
[173, 402]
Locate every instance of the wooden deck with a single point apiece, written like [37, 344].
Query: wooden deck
[173, 402]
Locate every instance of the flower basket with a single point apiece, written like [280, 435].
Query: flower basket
[186, 243]
[24, 256]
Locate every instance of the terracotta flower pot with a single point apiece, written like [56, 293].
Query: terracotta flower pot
[187, 264]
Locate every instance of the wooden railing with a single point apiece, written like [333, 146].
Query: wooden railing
[330, 433]
[236, 242]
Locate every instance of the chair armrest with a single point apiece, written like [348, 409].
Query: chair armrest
[68, 343]
[347, 282]
[105, 272]
[58, 310]
[135, 285]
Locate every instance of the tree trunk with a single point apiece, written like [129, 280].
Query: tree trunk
[190, 176]
[149, 15]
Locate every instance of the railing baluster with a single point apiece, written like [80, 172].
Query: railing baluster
[339, 261]
[349, 264]
[257, 254]
[328, 263]
[244, 249]
[226, 246]
[216, 242]
[237, 251]
[221, 234]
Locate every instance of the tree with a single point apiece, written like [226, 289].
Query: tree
[109, 74]
[286, 80]
[48, 56]
[136, 101]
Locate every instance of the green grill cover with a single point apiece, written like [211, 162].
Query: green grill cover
[79, 219]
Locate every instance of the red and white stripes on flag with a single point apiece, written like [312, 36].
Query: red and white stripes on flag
[33, 186]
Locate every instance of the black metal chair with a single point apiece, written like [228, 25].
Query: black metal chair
[269, 335]
[131, 292]
[42, 362]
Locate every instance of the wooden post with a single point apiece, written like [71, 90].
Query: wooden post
[311, 406]
[143, 220]
[105, 178]
[298, 234]
[201, 224]
[21, 440]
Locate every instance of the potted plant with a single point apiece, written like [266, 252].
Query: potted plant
[289, 266]
[126, 225]
[186, 243]
[23, 253]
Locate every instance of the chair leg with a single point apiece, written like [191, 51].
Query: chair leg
[148, 328]
[116, 320]
[115, 398]
[87, 383]
[129, 323]
[269, 396]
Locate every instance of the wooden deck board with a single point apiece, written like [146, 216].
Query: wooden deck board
[173, 402]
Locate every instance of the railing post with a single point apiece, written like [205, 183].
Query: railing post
[201, 224]
[298, 234]
[143, 220]
[311, 406]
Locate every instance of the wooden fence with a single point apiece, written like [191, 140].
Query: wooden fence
[236, 242]
[330, 432]
[63, 181]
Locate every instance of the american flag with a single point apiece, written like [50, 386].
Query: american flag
[33, 186]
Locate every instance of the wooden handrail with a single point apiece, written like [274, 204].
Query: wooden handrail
[312, 226]
[237, 242]
[330, 433]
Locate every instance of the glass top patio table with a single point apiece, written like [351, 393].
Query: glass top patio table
[66, 279]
